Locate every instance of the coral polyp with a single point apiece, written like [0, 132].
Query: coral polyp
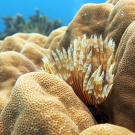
[87, 66]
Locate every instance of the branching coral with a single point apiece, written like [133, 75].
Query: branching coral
[36, 24]
[41, 24]
[87, 66]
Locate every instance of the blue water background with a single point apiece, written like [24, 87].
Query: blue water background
[54, 9]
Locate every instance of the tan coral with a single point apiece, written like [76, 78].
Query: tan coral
[106, 19]
[42, 104]
[34, 53]
[87, 67]
[53, 35]
[3, 100]
[1, 41]
[112, 1]
[38, 39]
[12, 65]
[121, 16]
[120, 106]
[24, 36]
[55, 41]
[16, 41]
[90, 19]
[31, 45]
[12, 43]
[106, 129]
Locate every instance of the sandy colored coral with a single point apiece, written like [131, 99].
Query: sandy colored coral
[38, 39]
[106, 129]
[110, 19]
[112, 1]
[30, 45]
[120, 106]
[90, 19]
[121, 16]
[12, 43]
[106, 19]
[55, 42]
[12, 65]
[43, 104]
[3, 100]
[35, 53]
[16, 41]
[1, 41]
[55, 34]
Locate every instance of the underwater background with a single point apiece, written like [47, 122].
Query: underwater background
[54, 9]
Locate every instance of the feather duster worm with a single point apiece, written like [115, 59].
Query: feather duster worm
[87, 66]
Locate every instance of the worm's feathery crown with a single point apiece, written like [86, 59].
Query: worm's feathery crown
[87, 66]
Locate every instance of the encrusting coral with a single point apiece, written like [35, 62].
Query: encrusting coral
[87, 66]
[36, 24]
[43, 104]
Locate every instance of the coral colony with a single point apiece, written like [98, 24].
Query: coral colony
[74, 80]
